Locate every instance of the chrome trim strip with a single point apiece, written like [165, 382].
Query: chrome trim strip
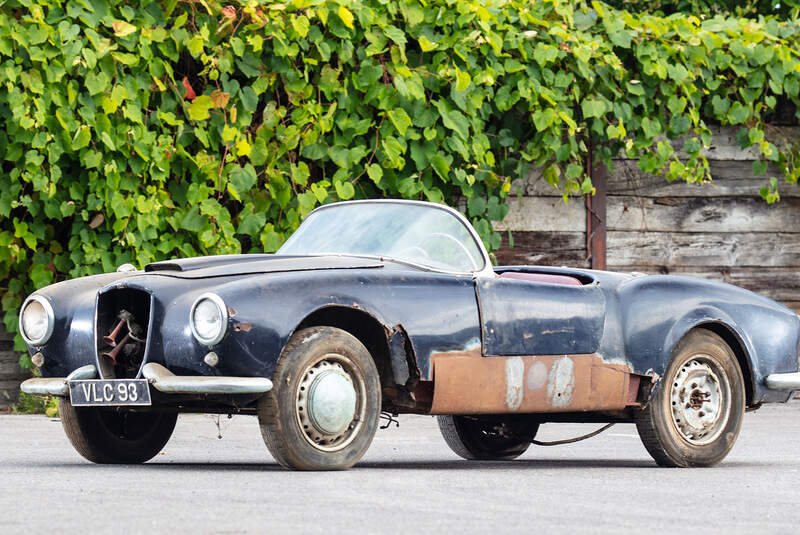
[57, 386]
[783, 381]
[51, 320]
[165, 381]
[223, 309]
[149, 338]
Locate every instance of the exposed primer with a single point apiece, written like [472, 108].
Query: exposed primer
[654, 377]
[561, 382]
[515, 374]
[471, 348]
[537, 376]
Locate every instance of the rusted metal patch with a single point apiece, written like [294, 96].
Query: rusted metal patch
[472, 384]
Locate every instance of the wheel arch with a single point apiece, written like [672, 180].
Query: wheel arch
[366, 328]
[731, 336]
[737, 345]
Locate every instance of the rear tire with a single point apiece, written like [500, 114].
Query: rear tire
[110, 436]
[696, 414]
[488, 438]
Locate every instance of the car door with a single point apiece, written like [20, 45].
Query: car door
[540, 342]
[533, 317]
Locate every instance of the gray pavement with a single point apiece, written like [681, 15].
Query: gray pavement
[409, 482]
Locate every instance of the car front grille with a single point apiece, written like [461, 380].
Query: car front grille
[121, 323]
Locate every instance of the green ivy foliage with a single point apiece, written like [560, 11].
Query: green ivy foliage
[139, 130]
[703, 8]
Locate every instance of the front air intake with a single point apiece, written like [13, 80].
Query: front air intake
[121, 332]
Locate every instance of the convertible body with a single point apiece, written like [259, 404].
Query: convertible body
[448, 334]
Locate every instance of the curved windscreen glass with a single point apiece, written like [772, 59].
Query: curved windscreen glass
[414, 233]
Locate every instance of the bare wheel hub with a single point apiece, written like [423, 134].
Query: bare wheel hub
[699, 399]
[326, 405]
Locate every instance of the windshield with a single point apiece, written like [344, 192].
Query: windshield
[415, 233]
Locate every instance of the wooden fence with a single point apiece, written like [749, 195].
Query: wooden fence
[10, 373]
[722, 230]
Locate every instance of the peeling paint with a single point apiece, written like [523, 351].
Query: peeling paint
[243, 326]
[561, 382]
[537, 376]
[515, 373]
[471, 349]
[557, 331]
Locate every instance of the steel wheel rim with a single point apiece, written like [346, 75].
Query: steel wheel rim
[700, 400]
[332, 368]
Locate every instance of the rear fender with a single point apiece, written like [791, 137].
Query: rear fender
[717, 321]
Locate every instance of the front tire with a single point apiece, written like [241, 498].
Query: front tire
[696, 415]
[110, 436]
[488, 438]
[323, 410]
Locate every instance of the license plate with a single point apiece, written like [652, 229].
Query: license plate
[113, 392]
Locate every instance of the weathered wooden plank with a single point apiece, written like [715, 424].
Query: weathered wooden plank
[9, 392]
[731, 178]
[549, 214]
[692, 214]
[725, 147]
[546, 214]
[9, 366]
[794, 305]
[692, 249]
[5, 336]
[779, 283]
[544, 248]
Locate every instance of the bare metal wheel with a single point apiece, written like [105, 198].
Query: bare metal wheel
[700, 398]
[488, 438]
[695, 416]
[324, 408]
[116, 436]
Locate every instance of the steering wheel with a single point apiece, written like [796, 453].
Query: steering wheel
[451, 239]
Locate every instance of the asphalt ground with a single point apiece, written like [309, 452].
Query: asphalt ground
[409, 482]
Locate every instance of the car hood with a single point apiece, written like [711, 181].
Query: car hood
[247, 264]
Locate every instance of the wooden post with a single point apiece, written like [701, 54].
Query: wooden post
[596, 212]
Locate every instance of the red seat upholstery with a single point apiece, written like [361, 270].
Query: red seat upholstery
[542, 277]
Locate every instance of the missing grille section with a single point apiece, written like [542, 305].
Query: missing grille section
[123, 315]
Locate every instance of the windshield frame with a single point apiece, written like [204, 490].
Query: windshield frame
[485, 270]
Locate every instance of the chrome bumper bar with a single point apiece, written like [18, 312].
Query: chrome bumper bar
[165, 381]
[157, 375]
[783, 381]
[57, 386]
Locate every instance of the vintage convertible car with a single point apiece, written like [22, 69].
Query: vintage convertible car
[394, 306]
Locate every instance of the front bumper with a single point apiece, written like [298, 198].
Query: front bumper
[783, 381]
[159, 377]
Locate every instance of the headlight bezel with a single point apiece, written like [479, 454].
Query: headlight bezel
[49, 315]
[223, 311]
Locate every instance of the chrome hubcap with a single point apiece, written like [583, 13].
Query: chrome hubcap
[327, 405]
[699, 399]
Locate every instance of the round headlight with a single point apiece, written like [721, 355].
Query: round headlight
[209, 319]
[36, 320]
